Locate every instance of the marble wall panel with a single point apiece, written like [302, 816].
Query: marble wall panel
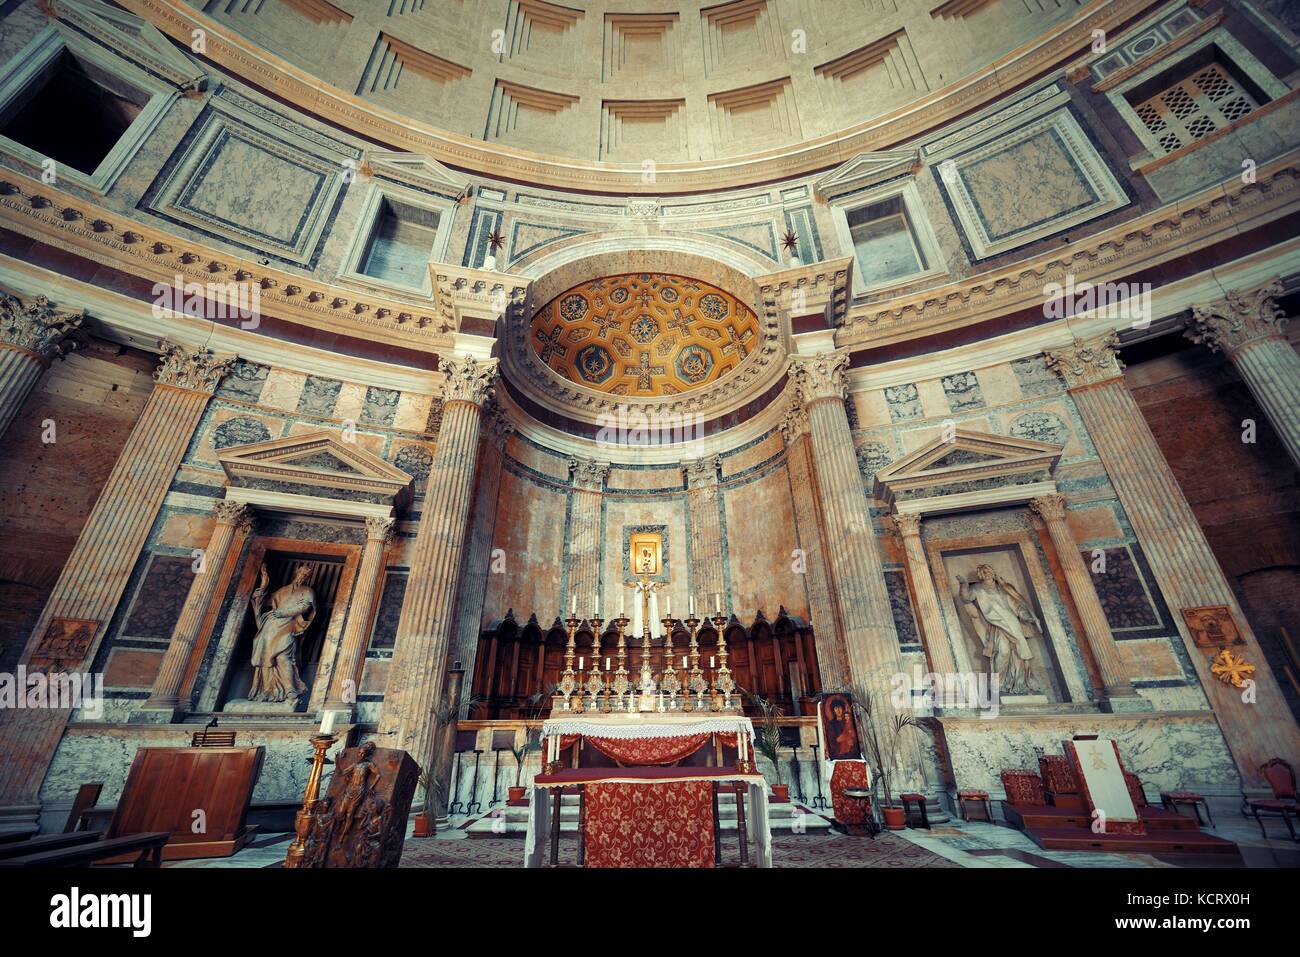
[761, 539]
[530, 533]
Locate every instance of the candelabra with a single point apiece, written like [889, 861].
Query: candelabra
[695, 682]
[568, 680]
[621, 683]
[306, 816]
[594, 681]
[668, 681]
[723, 685]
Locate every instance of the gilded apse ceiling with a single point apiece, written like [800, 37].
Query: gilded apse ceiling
[644, 334]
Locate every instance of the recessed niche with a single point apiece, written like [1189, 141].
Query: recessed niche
[401, 243]
[103, 106]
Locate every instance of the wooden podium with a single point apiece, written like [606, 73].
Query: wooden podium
[168, 787]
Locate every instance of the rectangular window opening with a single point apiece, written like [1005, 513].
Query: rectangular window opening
[401, 243]
[885, 242]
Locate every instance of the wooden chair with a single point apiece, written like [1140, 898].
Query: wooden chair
[87, 797]
[1281, 779]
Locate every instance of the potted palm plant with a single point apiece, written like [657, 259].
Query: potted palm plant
[532, 741]
[768, 742]
[882, 745]
[434, 790]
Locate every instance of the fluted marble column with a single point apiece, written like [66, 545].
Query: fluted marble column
[32, 335]
[352, 646]
[937, 645]
[96, 573]
[1181, 560]
[164, 698]
[584, 534]
[865, 618]
[1248, 326]
[1120, 696]
[479, 561]
[706, 530]
[424, 630]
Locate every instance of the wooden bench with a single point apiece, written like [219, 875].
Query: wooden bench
[48, 842]
[147, 848]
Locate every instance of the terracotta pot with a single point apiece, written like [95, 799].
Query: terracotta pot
[895, 819]
[780, 793]
[515, 797]
[423, 826]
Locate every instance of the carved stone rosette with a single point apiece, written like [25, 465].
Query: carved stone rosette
[36, 327]
[1087, 363]
[819, 377]
[468, 380]
[1239, 318]
[198, 370]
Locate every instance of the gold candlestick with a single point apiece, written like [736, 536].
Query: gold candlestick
[621, 683]
[594, 682]
[721, 671]
[306, 816]
[568, 680]
[695, 683]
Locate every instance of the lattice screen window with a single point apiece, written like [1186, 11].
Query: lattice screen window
[1208, 100]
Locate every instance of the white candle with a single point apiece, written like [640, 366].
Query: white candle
[683, 662]
[580, 661]
[717, 603]
[595, 606]
[573, 605]
[669, 606]
[692, 606]
[327, 723]
[710, 661]
[606, 664]
[622, 598]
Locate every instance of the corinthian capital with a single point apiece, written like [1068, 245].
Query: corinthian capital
[588, 475]
[35, 326]
[820, 376]
[379, 529]
[701, 473]
[1240, 317]
[468, 379]
[229, 512]
[198, 370]
[1051, 507]
[908, 524]
[1087, 363]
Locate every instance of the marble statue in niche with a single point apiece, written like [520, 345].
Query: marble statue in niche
[1004, 622]
[292, 609]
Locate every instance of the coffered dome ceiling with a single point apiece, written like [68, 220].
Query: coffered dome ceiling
[644, 334]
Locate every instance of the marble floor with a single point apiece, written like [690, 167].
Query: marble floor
[956, 843]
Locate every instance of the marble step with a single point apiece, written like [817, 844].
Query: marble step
[783, 818]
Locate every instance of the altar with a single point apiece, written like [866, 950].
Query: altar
[647, 812]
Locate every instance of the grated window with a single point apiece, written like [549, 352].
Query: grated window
[1194, 107]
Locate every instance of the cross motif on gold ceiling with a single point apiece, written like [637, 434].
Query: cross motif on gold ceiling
[644, 372]
[682, 322]
[736, 342]
[606, 323]
[551, 344]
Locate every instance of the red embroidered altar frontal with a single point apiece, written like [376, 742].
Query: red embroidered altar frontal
[665, 824]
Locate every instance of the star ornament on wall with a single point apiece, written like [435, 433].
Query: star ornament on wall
[789, 242]
[1232, 669]
[495, 242]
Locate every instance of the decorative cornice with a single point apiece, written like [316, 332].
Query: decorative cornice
[702, 473]
[587, 475]
[242, 57]
[1171, 232]
[1050, 507]
[1087, 363]
[819, 377]
[822, 287]
[1239, 318]
[230, 512]
[467, 379]
[197, 370]
[36, 327]
[380, 529]
[109, 237]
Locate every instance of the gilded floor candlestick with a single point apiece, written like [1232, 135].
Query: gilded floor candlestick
[306, 816]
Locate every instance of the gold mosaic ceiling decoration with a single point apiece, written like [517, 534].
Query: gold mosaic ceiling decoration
[644, 334]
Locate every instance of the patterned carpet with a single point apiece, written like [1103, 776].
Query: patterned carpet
[820, 850]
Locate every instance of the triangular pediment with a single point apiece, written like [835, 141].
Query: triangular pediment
[316, 461]
[963, 457]
[134, 38]
[417, 170]
[866, 169]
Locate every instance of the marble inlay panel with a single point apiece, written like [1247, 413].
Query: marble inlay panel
[904, 403]
[318, 396]
[245, 381]
[158, 600]
[963, 391]
[1035, 378]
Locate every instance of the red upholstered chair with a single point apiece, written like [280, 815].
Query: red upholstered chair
[1281, 778]
[1058, 776]
[1023, 788]
[850, 775]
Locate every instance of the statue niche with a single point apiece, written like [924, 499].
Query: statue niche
[284, 631]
